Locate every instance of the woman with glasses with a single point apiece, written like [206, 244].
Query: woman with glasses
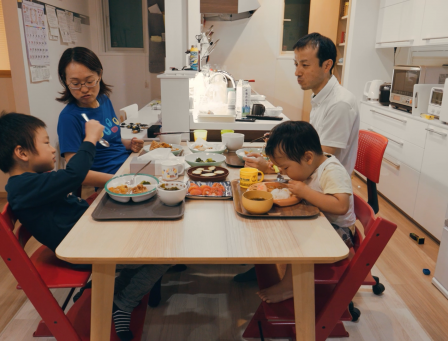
[80, 73]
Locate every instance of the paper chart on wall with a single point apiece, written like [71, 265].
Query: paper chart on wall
[40, 73]
[71, 26]
[53, 32]
[77, 23]
[35, 33]
[63, 26]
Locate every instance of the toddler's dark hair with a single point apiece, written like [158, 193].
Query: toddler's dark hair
[16, 130]
[293, 138]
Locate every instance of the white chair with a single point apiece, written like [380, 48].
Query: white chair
[128, 112]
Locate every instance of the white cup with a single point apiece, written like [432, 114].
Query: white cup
[171, 169]
[171, 138]
[233, 141]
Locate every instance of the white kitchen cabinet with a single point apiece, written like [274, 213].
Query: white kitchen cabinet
[432, 194]
[399, 183]
[435, 23]
[394, 25]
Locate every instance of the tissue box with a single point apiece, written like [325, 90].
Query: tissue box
[154, 168]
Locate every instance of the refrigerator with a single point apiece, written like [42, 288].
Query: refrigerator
[440, 279]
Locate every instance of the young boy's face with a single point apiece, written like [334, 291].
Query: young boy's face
[45, 158]
[296, 171]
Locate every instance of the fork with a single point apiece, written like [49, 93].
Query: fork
[132, 181]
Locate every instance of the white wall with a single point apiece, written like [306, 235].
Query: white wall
[38, 99]
[251, 49]
[7, 102]
[128, 73]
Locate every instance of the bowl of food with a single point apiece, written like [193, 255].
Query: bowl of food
[208, 173]
[257, 202]
[175, 148]
[243, 152]
[171, 138]
[281, 194]
[172, 193]
[233, 141]
[143, 189]
[206, 147]
[204, 159]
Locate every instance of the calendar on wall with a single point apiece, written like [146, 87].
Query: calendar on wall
[36, 35]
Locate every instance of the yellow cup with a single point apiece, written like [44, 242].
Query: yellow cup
[249, 176]
[225, 131]
[200, 134]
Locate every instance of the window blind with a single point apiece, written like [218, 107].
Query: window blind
[4, 58]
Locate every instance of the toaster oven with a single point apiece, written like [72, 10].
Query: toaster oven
[406, 76]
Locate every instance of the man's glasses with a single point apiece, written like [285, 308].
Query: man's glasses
[88, 84]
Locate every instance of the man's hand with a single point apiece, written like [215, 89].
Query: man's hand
[94, 131]
[136, 145]
[255, 160]
[298, 188]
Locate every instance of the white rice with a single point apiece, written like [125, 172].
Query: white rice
[282, 193]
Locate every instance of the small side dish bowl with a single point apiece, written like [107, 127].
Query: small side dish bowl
[177, 148]
[214, 145]
[233, 141]
[120, 180]
[257, 202]
[244, 151]
[191, 159]
[172, 197]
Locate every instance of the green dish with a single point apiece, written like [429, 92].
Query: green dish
[191, 159]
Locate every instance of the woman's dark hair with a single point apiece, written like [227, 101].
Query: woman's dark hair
[16, 130]
[87, 58]
[326, 49]
[293, 138]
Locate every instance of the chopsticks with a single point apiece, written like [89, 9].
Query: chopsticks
[259, 138]
[173, 132]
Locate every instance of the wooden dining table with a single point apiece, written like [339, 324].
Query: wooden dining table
[210, 232]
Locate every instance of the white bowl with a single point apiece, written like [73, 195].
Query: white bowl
[120, 180]
[215, 145]
[171, 138]
[233, 141]
[172, 198]
[242, 152]
[175, 146]
[191, 159]
[273, 112]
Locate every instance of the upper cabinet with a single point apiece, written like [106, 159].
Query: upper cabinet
[401, 22]
[229, 6]
[435, 23]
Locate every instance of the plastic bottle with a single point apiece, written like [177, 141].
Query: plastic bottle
[231, 99]
[239, 97]
[194, 57]
[246, 102]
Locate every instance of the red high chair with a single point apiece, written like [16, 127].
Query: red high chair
[43, 271]
[333, 292]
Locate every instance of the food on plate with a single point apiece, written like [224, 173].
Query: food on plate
[219, 172]
[157, 145]
[144, 182]
[123, 189]
[211, 168]
[202, 148]
[197, 172]
[208, 160]
[280, 193]
[208, 174]
[139, 189]
[174, 188]
[217, 190]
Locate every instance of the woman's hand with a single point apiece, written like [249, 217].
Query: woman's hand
[136, 145]
[255, 160]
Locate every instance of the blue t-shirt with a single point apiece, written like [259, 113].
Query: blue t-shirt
[71, 132]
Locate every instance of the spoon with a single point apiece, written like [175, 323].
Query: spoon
[281, 179]
[102, 141]
[132, 181]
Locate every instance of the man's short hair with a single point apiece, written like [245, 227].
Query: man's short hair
[16, 130]
[293, 138]
[326, 49]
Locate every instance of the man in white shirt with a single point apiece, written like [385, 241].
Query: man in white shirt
[334, 112]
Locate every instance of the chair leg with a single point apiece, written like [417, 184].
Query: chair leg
[42, 330]
[378, 288]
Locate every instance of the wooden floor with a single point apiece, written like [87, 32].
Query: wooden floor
[203, 303]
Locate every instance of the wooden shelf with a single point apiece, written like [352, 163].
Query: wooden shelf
[340, 64]
[342, 44]
[344, 17]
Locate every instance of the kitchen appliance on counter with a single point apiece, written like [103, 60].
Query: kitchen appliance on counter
[435, 101]
[385, 93]
[372, 90]
[406, 76]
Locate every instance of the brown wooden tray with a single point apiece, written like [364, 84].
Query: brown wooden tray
[276, 212]
[232, 159]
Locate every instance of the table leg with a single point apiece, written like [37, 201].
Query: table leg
[303, 286]
[103, 281]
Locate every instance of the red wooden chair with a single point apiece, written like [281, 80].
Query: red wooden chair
[43, 271]
[334, 290]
